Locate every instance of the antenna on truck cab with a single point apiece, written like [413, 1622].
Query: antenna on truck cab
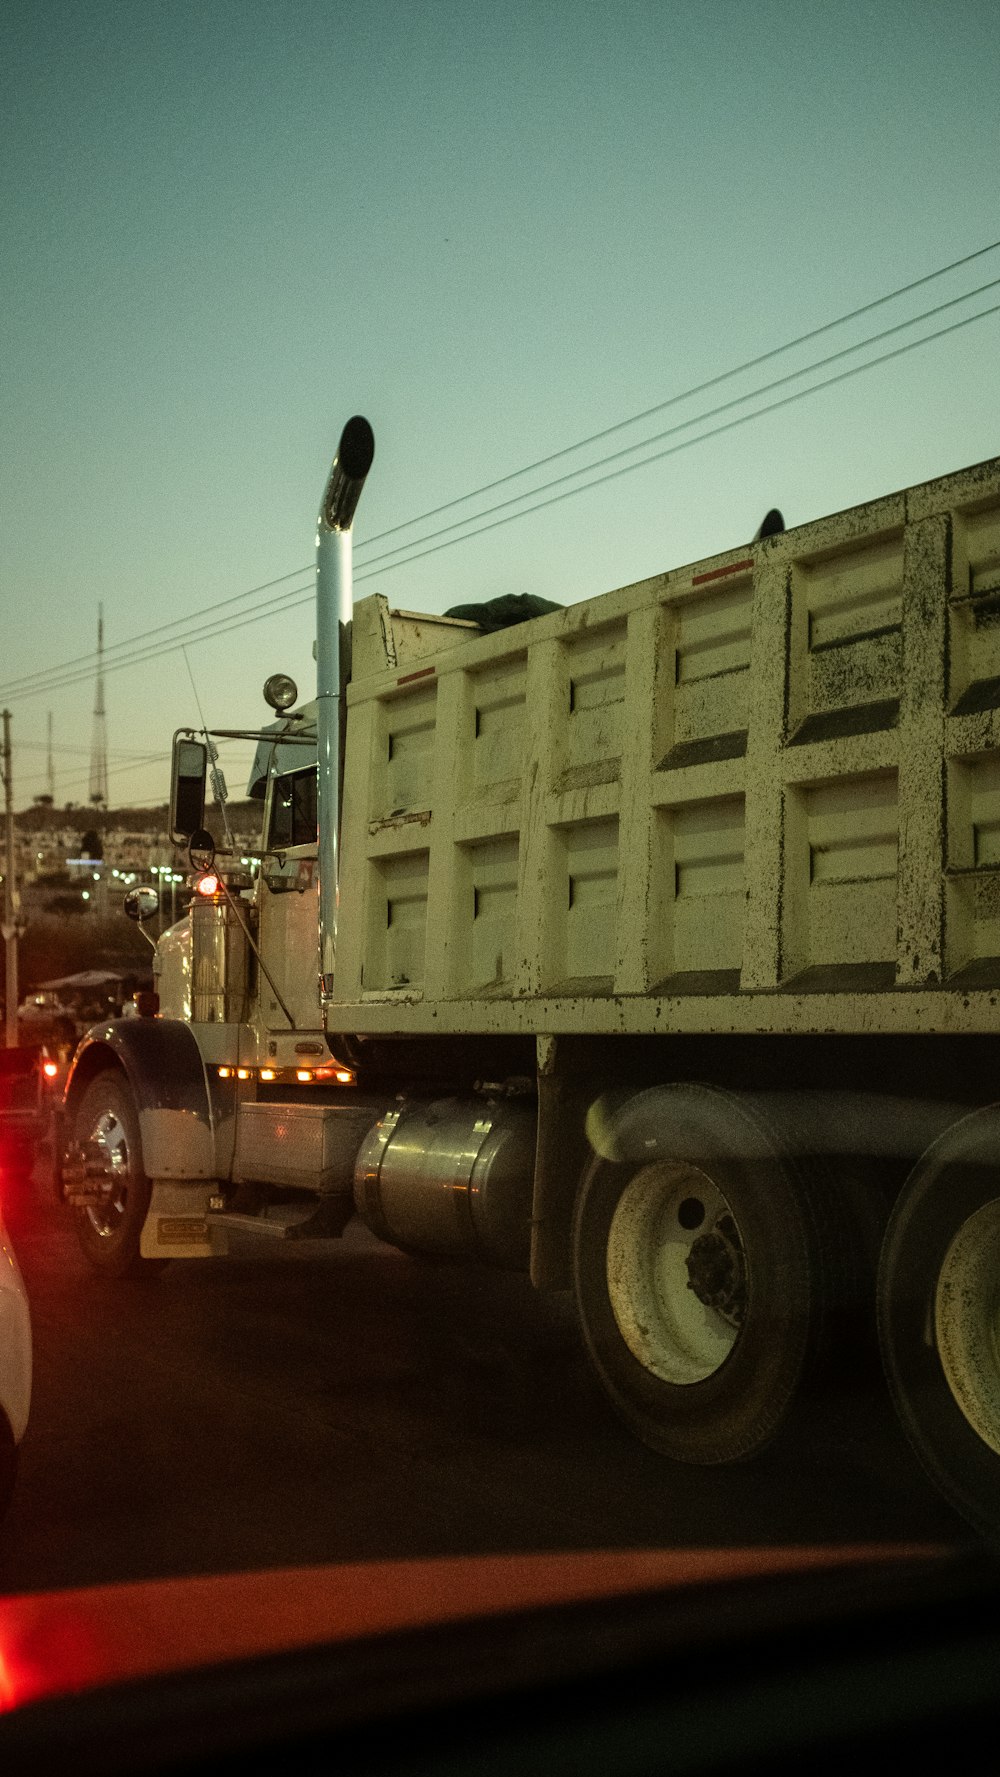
[333, 612]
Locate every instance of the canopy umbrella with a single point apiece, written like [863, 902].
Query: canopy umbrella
[86, 978]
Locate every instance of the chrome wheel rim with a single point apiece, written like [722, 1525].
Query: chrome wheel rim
[108, 1136]
[676, 1273]
[967, 1322]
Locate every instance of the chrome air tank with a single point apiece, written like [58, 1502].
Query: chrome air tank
[219, 959]
[452, 1177]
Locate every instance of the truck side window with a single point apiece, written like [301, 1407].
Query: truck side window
[293, 810]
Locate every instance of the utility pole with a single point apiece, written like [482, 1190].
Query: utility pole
[11, 909]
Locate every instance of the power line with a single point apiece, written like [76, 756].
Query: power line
[697, 419]
[414, 551]
[113, 771]
[658, 456]
[686, 443]
[89, 660]
[543, 462]
[41, 746]
[288, 602]
[304, 595]
[698, 389]
[144, 764]
[613, 474]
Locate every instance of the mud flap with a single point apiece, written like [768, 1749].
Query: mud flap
[178, 1225]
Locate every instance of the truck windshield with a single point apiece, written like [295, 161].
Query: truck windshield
[293, 810]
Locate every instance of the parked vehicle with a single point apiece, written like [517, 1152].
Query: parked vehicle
[32, 1077]
[652, 945]
[42, 1010]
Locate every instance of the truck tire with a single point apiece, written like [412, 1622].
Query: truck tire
[109, 1228]
[939, 1314]
[705, 1274]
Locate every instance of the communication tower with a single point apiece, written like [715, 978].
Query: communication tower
[50, 775]
[99, 741]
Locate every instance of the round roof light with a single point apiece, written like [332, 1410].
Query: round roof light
[280, 692]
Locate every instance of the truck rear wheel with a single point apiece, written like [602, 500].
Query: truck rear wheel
[106, 1126]
[705, 1263]
[939, 1314]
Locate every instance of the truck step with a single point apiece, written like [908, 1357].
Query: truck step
[326, 1221]
[244, 1224]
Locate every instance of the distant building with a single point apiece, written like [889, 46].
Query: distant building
[58, 870]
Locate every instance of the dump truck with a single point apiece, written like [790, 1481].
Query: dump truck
[650, 946]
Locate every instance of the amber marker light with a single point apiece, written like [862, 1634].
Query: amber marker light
[225, 1073]
[303, 1075]
[345, 1078]
[243, 1073]
[268, 1073]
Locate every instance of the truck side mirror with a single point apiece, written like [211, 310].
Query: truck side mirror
[201, 850]
[188, 771]
[141, 903]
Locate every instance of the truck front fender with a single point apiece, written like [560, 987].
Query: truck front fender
[167, 1078]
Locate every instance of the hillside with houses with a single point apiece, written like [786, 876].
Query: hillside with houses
[74, 866]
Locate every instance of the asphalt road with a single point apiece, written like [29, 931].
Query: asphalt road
[326, 1401]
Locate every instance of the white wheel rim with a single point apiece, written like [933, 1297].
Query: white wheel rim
[109, 1135]
[967, 1321]
[662, 1212]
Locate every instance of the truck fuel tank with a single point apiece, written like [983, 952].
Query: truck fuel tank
[451, 1177]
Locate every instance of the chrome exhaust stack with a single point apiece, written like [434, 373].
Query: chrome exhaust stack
[334, 603]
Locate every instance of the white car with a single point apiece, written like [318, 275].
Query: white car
[15, 1356]
[40, 1007]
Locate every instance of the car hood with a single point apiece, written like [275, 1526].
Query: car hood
[54, 1644]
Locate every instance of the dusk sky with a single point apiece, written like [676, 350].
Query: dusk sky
[494, 230]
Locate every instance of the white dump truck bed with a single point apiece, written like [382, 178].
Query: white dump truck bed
[759, 793]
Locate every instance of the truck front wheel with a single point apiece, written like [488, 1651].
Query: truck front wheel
[939, 1314]
[702, 1272]
[106, 1129]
